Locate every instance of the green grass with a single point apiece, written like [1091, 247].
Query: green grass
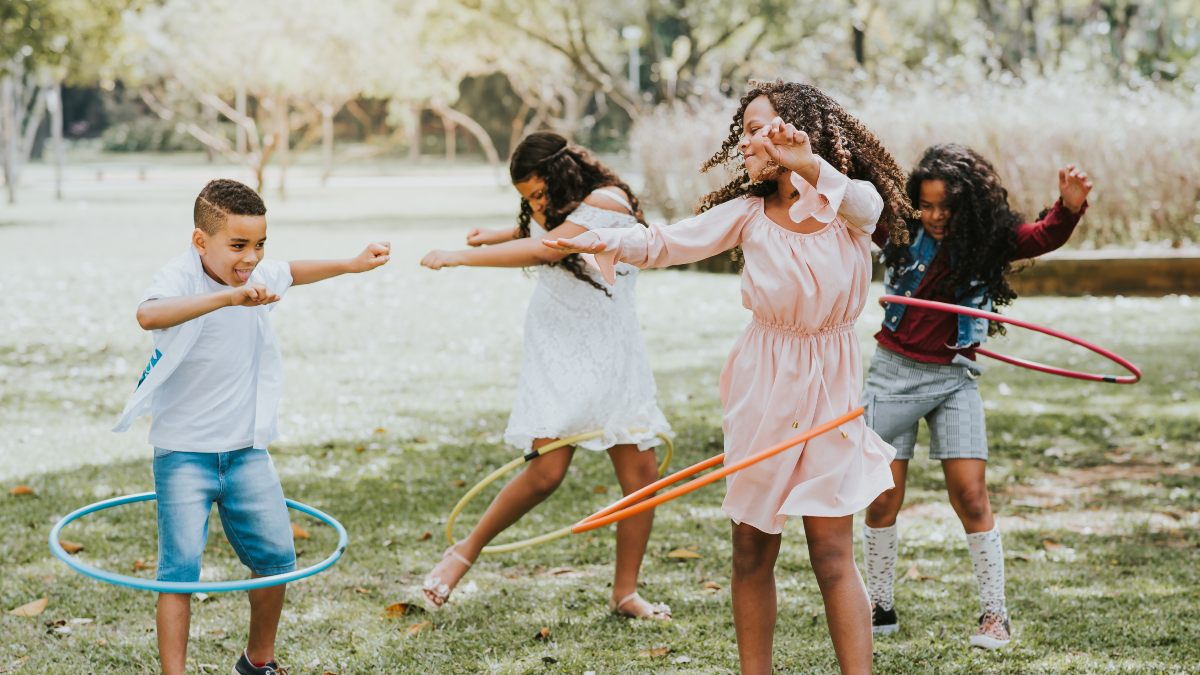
[1099, 510]
[1097, 486]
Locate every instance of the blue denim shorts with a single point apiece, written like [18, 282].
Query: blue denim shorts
[901, 391]
[245, 487]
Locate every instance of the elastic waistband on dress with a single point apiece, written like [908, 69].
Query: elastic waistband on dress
[802, 331]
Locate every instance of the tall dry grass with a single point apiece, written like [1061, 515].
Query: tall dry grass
[1141, 147]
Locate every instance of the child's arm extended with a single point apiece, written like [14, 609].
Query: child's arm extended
[1052, 231]
[524, 252]
[160, 313]
[490, 237]
[312, 271]
[699, 237]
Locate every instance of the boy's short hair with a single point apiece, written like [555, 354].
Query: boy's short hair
[223, 197]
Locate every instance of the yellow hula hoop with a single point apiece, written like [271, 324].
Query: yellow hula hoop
[528, 457]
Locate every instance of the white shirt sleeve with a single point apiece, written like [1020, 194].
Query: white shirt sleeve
[276, 275]
[169, 282]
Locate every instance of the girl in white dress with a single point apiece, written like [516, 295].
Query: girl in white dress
[565, 192]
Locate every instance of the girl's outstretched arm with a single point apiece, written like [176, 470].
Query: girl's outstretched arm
[699, 237]
[525, 252]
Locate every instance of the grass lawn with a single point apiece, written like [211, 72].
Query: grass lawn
[398, 385]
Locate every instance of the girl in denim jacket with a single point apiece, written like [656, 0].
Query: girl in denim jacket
[959, 251]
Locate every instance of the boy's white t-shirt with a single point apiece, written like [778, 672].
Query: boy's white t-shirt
[208, 404]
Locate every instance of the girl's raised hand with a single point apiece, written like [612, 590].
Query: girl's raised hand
[588, 242]
[436, 260]
[1073, 186]
[787, 146]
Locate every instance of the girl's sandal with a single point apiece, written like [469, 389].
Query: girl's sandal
[435, 591]
[658, 611]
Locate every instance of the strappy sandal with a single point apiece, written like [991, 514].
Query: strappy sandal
[439, 589]
[658, 611]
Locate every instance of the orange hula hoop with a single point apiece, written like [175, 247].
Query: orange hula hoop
[633, 504]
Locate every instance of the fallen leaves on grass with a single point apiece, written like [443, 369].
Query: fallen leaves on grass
[425, 536]
[600, 489]
[458, 482]
[711, 586]
[31, 608]
[684, 554]
[299, 532]
[397, 609]
[71, 547]
[362, 591]
[418, 627]
[1051, 545]
[656, 653]
[914, 574]
[21, 490]
[12, 667]
[543, 634]
[139, 565]
[380, 430]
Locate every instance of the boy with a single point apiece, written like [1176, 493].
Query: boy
[212, 388]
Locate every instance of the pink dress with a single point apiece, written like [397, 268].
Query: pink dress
[798, 363]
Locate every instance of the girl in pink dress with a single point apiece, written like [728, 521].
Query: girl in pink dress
[802, 209]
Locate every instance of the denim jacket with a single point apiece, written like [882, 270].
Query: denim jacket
[922, 250]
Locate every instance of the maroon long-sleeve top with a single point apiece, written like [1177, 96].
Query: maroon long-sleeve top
[928, 335]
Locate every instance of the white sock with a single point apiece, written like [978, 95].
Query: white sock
[987, 557]
[880, 549]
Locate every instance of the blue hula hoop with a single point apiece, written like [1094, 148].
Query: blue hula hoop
[190, 586]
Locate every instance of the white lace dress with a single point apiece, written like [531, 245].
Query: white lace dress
[584, 366]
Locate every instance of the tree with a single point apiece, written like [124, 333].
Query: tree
[267, 68]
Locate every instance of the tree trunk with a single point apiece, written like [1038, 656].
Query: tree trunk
[240, 105]
[54, 104]
[8, 124]
[283, 130]
[450, 129]
[414, 133]
[455, 117]
[326, 141]
[209, 115]
[518, 126]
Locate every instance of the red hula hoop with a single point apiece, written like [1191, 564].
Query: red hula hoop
[1032, 365]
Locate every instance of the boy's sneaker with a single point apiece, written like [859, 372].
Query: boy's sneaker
[244, 667]
[884, 621]
[994, 631]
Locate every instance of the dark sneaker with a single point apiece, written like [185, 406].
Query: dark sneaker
[244, 667]
[883, 621]
[994, 631]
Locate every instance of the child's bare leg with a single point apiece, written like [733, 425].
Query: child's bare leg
[754, 604]
[266, 605]
[173, 620]
[635, 470]
[967, 484]
[531, 487]
[883, 511]
[847, 610]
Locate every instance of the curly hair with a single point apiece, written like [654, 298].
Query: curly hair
[981, 234]
[836, 135]
[571, 173]
[223, 197]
